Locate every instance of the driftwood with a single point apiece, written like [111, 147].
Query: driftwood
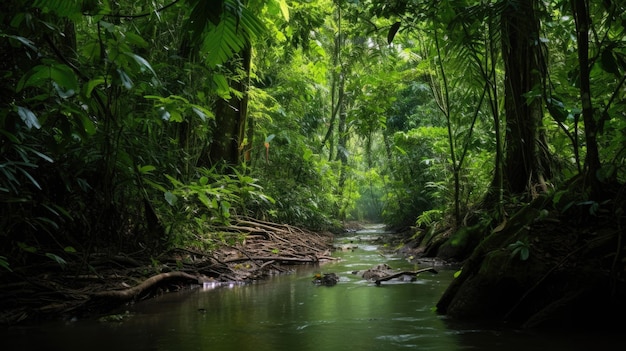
[132, 292]
[411, 273]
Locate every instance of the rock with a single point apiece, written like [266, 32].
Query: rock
[377, 272]
[327, 279]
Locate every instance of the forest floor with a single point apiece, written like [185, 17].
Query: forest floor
[104, 282]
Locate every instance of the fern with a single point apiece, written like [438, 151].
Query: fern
[236, 29]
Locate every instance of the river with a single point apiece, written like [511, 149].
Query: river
[288, 312]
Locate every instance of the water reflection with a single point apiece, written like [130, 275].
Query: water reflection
[288, 312]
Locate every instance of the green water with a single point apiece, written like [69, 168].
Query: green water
[288, 312]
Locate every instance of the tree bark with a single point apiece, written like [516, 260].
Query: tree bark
[580, 10]
[524, 71]
[230, 119]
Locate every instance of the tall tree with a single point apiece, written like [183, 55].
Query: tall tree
[525, 68]
[580, 11]
[224, 31]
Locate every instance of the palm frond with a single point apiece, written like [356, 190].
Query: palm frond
[222, 28]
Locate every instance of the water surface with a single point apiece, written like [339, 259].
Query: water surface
[288, 312]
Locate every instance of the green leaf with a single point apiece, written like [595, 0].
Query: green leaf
[146, 169]
[170, 198]
[205, 201]
[125, 79]
[88, 125]
[136, 39]
[608, 62]
[557, 109]
[284, 9]
[41, 155]
[222, 88]
[57, 259]
[202, 112]
[26, 42]
[233, 32]
[392, 32]
[142, 62]
[69, 249]
[4, 263]
[524, 253]
[30, 177]
[59, 73]
[64, 94]
[24, 247]
[28, 117]
[92, 84]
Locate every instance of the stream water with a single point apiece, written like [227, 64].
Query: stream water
[289, 312]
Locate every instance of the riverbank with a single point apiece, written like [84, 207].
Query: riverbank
[101, 282]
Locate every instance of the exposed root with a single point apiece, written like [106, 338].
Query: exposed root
[106, 282]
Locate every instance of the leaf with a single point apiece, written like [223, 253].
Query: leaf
[88, 125]
[4, 263]
[92, 84]
[57, 259]
[284, 9]
[41, 155]
[392, 32]
[146, 169]
[142, 62]
[170, 198]
[236, 29]
[202, 112]
[500, 227]
[164, 114]
[69, 249]
[222, 88]
[63, 94]
[30, 177]
[557, 109]
[22, 245]
[28, 117]
[125, 79]
[26, 42]
[608, 62]
[136, 39]
[524, 253]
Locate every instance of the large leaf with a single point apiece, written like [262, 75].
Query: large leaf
[61, 74]
[236, 29]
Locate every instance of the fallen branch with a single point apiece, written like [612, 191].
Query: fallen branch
[411, 273]
[272, 258]
[131, 293]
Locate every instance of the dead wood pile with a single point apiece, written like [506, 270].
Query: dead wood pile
[103, 282]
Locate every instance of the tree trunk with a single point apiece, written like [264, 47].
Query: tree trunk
[580, 9]
[230, 119]
[523, 72]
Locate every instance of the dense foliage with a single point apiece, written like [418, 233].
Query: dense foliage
[140, 125]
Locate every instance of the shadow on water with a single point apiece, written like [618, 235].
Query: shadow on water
[288, 312]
